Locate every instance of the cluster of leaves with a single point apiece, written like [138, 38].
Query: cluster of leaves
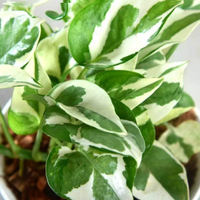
[98, 87]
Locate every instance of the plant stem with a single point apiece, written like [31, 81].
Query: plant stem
[35, 152]
[58, 142]
[21, 167]
[6, 151]
[83, 73]
[13, 146]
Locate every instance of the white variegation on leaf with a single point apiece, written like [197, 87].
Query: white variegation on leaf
[102, 176]
[183, 141]
[161, 173]
[24, 116]
[135, 22]
[185, 104]
[11, 76]
[53, 54]
[88, 103]
[167, 96]
[178, 27]
[57, 125]
[25, 30]
[128, 87]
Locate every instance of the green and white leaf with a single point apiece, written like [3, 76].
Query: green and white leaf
[114, 37]
[53, 53]
[24, 116]
[88, 103]
[25, 30]
[161, 175]
[57, 124]
[183, 141]
[96, 174]
[155, 59]
[178, 27]
[146, 127]
[11, 76]
[128, 87]
[185, 104]
[169, 93]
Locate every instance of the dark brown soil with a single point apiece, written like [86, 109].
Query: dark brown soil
[31, 184]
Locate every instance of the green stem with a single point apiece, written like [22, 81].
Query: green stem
[83, 73]
[13, 146]
[52, 143]
[21, 167]
[58, 142]
[36, 148]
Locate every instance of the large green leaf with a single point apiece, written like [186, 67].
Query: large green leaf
[24, 116]
[161, 175]
[176, 30]
[11, 76]
[114, 30]
[128, 87]
[25, 30]
[183, 141]
[86, 173]
[169, 93]
[88, 103]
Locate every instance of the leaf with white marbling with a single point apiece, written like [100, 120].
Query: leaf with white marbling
[160, 103]
[183, 141]
[25, 30]
[161, 175]
[88, 103]
[53, 53]
[178, 27]
[24, 115]
[87, 173]
[128, 87]
[11, 76]
[115, 30]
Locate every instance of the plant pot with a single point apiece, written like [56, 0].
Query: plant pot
[7, 194]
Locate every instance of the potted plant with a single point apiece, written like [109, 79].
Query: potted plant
[98, 88]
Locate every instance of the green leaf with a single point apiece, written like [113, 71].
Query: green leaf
[183, 141]
[128, 87]
[90, 172]
[11, 76]
[169, 93]
[88, 103]
[55, 16]
[25, 30]
[118, 28]
[163, 176]
[146, 127]
[24, 116]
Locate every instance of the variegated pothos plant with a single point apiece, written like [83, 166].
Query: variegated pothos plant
[98, 87]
